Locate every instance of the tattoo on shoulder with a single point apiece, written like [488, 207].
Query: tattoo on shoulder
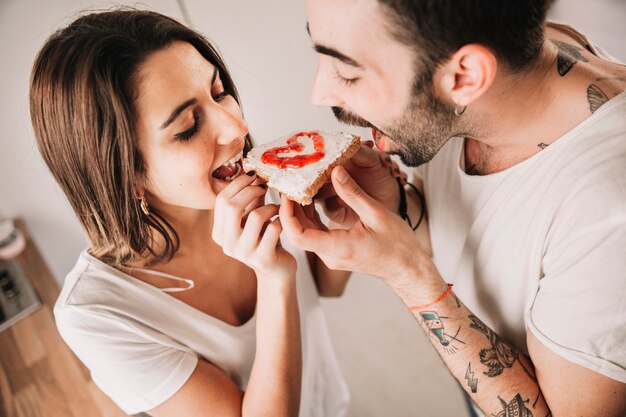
[516, 407]
[471, 381]
[567, 56]
[434, 323]
[595, 97]
[501, 355]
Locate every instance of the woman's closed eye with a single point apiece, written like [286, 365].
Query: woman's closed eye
[197, 119]
[220, 96]
[187, 134]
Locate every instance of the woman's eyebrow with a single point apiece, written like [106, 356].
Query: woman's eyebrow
[178, 110]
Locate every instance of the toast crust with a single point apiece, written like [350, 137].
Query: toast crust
[307, 196]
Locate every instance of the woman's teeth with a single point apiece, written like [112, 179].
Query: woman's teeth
[236, 174]
[229, 170]
[235, 159]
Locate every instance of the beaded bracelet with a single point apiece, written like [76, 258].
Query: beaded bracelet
[403, 208]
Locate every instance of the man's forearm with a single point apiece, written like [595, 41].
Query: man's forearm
[494, 373]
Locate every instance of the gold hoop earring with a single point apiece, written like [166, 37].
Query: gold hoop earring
[144, 205]
[460, 111]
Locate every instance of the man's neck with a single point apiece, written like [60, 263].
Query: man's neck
[516, 118]
[524, 113]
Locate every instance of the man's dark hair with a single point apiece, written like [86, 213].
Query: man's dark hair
[512, 29]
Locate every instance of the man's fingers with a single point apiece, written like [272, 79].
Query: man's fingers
[305, 238]
[325, 192]
[313, 216]
[349, 191]
[365, 157]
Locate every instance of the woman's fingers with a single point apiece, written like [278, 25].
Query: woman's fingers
[270, 239]
[230, 208]
[236, 210]
[255, 222]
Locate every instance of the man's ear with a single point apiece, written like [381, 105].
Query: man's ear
[467, 75]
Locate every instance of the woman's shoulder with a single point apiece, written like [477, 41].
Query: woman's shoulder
[88, 278]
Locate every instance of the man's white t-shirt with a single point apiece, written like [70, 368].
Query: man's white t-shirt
[541, 246]
[141, 344]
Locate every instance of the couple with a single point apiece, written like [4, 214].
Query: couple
[518, 132]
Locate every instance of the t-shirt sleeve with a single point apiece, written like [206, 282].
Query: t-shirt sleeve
[580, 311]
[137, 371]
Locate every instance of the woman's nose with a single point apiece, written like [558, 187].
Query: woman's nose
[230, 124]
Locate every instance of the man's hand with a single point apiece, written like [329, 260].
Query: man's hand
[375, 173]
[379, 242]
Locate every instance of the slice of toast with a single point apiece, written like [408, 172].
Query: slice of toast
[299, 164]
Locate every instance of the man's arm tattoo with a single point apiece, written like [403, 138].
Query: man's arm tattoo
[516, 407]
[501, 355]
[472, 381]
[434, 323]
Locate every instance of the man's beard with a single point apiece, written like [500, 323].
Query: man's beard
[425, 126]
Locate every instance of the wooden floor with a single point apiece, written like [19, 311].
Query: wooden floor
[39, 375]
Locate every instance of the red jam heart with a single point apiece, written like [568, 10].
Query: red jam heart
[270, 157]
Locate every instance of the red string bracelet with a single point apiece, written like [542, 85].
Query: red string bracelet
[441, 297]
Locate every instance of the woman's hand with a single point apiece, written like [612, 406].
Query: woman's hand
[244, 228]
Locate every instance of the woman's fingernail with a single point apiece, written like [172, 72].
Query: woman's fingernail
[251, 173]
[263, 186]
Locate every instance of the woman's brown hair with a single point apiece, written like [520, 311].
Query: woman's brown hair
[83, 84]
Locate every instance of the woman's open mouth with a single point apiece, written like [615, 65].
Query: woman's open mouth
[229, 170]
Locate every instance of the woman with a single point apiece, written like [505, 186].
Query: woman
[139, 121]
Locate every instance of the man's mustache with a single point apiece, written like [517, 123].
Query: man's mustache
[350, 118]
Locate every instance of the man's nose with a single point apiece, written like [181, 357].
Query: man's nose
[324, 91]
[231, 125]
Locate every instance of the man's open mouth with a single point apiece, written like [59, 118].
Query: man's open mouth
[380, 139]
[230, 170]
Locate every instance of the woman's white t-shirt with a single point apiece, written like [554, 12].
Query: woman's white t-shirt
[141, 344]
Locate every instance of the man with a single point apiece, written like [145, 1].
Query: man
[518, 130]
